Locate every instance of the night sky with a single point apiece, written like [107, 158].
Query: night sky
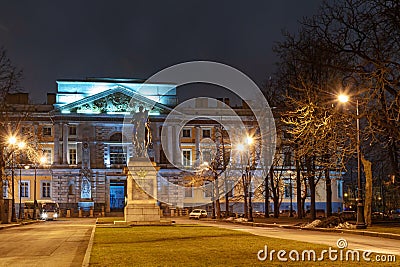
[53, 40]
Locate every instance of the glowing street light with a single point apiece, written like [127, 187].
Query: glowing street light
[360, 206]
[343, 98]
[12, 140]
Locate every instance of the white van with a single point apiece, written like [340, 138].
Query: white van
[49, 210]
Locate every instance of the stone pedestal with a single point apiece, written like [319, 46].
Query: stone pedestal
[141, 207]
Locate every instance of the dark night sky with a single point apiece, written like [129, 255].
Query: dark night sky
[53, 40]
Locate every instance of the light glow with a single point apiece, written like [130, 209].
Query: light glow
[21, 145]
[343, 98]
[12, 140]
[240, 147]
[43, 160]
[249, 140]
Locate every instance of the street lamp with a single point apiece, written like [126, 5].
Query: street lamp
[246, 176]
[360, 207]
[12, 141]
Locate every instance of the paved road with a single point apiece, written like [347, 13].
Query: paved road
[58, 243]
[375, 244]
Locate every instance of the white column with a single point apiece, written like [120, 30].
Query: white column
[197, 143]
[56, 155]
[65, 143]
[176, 145]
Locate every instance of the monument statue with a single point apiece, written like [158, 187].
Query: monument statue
[141, 132]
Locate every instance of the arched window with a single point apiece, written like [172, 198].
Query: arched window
[117, 137]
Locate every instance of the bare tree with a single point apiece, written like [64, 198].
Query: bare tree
[9, 80]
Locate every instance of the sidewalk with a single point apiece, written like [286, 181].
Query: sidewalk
[15, 224]
[292, 223]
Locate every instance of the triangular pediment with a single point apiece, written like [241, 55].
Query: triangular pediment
[118, 100]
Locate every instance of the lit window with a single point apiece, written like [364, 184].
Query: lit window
[46, 186]
[24, 189]
[72, 156]
[48, 155]
[208, 190]
[206, 133]
[186, 133]
[117, 155]
[189, 191]
[46, 130]
[340, 188]
[5, 189]
[72, 130]
[186, 157]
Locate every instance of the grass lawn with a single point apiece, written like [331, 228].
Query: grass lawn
[384, 229]
[189, 245]
[109, 219]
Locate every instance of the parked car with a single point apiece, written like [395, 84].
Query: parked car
[286, 213]
[395, 214]
[197, 214]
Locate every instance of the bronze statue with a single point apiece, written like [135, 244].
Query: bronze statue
[141, 132]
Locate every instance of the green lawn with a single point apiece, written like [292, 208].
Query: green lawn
[189, 245]
[384, 229]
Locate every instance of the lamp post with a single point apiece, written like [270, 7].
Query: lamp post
[246, 176]
[360, 206]
[12, 140]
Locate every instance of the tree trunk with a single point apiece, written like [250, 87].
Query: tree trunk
[368, 190]
[300, 208]
[311, 183]
[217, 201]
[245, 197]
[227, 191]
[266, 197]
[328, 185]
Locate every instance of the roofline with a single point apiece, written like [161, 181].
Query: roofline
[112, 80]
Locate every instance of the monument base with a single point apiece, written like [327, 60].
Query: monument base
[141, 207]
[139, 213]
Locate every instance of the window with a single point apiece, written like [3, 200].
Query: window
[72, 130]
[47, 154]
[117, 155]
[339, 188]
[186, 157]
[46, 186]
[5, 189]
[186, 132]
[46, 130]
[206, 133]
[208, 190]
[24, 189]
[189, 191]
[72, 156]
[287, 158]
[25, 130]
[206, 155]
[287, 190]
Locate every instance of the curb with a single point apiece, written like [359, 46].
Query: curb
[347, 231]
[7, 226]
[86, 259]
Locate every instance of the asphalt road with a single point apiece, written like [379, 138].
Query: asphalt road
[51, 243]
[355, 242]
